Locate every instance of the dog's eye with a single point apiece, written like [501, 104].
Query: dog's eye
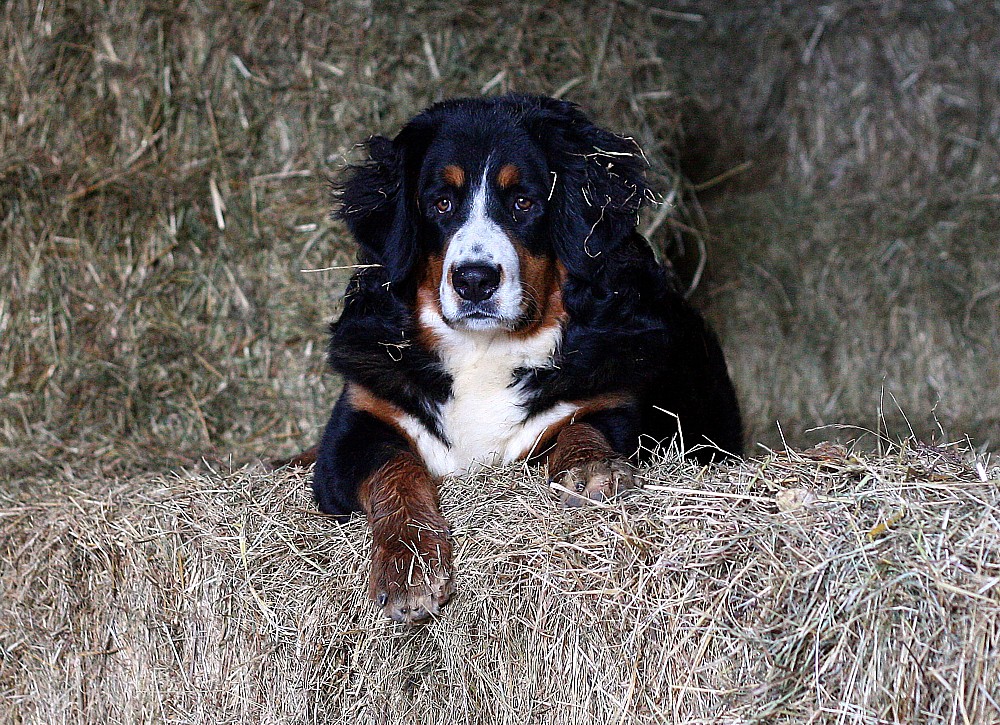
[443, 205]
[523, 203]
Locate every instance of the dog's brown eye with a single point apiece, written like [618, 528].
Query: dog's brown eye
[523, 203]
[443, 205]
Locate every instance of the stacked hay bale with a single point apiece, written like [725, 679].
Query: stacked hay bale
[161, 189]
[856, 278]
[825, 586]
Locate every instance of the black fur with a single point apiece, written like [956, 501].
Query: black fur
[628, 329]
[373, 344]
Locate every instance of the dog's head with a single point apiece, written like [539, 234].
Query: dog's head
[487, 202]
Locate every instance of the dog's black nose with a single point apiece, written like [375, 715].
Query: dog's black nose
[475, 282]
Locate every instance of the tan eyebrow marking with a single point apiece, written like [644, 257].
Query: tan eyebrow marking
[508, 176]
[453, 175]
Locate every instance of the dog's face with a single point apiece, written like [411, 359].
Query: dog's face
[487, 205]
[483, 193]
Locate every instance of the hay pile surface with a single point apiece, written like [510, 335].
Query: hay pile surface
[163, 183]
[162, 187]
[826, 586]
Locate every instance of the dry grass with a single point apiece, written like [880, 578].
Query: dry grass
[893, 328]
[826, 586]
[137, 331]
[162, 185]
[870, 272]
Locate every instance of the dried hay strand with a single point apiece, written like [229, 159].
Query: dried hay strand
[829, 585]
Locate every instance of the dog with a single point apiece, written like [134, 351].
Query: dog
[504, 308]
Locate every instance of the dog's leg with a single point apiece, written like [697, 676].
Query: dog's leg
[586, 467]
[411, 570]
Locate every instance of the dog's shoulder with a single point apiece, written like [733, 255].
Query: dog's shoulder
[376, 343]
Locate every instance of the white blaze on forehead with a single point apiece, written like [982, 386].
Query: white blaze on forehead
[480, 240]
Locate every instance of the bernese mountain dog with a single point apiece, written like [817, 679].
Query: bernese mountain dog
[504, 309]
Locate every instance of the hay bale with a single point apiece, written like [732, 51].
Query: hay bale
[829, 585]
[861, 283]
[163, 184]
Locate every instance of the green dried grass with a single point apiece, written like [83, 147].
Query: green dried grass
[707, 596]
[136, 332]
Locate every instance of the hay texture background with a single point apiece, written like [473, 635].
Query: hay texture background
[823, 587]
[831, 173]
[163, 183]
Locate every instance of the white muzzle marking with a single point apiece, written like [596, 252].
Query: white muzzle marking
[480, 240]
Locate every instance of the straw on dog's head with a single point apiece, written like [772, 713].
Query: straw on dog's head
[481, 205]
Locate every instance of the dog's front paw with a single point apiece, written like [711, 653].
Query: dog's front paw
[594, 481]
[412, 576]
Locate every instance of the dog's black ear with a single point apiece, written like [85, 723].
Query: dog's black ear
[599, 183]
[377, 199]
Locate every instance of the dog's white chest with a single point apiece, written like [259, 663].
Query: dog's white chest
[484, 420]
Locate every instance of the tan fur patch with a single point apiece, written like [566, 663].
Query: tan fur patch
[454, 175]
[508, 176]
[547, 440]
[578, 444]
[427, 297]
[541, 280]
[363, 399]
[411, 573]
[400, 491]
